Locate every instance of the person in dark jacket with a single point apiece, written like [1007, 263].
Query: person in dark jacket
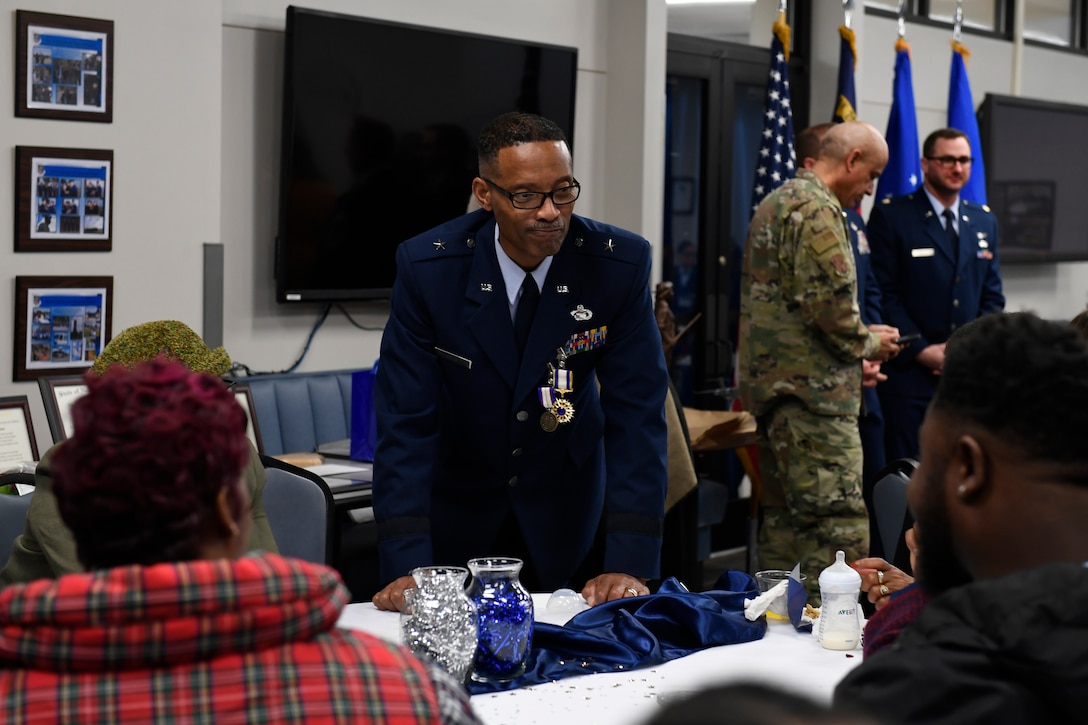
[1001, 496]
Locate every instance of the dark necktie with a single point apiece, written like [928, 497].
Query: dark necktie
[950, 228]
[523, 318]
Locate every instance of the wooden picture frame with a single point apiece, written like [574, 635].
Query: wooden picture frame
[63, 67]
[17, 442]
[59, 392]
[61, 324]
[244, 397]
[63, 199]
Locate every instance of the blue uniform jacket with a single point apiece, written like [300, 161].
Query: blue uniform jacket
[868, 288]
[460, 442]
[924, 287]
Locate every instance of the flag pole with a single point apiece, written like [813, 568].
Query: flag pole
[904, 170]
[845, 95]
[961, 112]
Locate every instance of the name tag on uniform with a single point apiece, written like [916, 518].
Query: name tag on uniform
[924, 252]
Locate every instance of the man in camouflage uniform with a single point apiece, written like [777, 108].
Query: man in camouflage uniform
[801, 346]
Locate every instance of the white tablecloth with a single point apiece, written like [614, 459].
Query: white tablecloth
[783, 657]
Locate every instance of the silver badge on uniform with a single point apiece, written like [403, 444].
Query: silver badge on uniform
[581, 314]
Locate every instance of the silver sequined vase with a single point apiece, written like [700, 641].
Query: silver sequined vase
[439, 620]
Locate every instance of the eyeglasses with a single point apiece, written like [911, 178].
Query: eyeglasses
[949, 161]
[535, 199]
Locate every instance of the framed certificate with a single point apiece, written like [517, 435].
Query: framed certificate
[245, 399]
[17, 443]
[59, 392]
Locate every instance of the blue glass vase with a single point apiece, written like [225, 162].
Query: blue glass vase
[504, 617]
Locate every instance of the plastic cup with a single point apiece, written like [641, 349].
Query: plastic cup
[767, 579]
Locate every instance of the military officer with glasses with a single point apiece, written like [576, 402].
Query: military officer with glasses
[520, 391]
[936, 260]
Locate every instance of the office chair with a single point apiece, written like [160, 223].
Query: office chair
[13, 513]
[890, 510]
[299, 505]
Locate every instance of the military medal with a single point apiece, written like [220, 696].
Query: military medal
[557, 409]
[548, 421]
[563, 410]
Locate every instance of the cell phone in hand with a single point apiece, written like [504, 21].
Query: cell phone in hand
[907, 338]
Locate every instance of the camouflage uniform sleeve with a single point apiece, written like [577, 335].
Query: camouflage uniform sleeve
[826, 281]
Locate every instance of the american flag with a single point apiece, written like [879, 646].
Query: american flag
[777, 160]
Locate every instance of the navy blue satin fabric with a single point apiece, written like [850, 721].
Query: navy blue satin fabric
[626, 634]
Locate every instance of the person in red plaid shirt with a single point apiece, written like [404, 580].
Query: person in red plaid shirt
[171, 623]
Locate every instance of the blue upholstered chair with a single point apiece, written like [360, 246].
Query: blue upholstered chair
[13, 512]
[298, 411]
[300, 512]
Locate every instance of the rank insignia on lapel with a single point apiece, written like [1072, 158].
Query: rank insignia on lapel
[439, 245]
[485, 286]
[561, 289]
[581, 314]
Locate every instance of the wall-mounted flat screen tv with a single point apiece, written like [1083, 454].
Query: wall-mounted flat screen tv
[1036, 181]
[380, 122]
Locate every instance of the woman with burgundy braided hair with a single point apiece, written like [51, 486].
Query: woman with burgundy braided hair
[171, 623]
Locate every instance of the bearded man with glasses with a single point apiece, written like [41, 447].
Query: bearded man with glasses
[935, 257]
[494, 437]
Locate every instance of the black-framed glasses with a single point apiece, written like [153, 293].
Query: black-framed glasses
[535, 199]
[949, 161]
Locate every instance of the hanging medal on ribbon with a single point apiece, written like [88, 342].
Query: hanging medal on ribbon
[548, 421]
[557, 409]
[562, 383]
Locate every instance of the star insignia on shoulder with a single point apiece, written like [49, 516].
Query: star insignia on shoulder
[610, 245]
[439, 245]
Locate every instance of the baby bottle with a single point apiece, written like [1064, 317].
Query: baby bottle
[839, 588]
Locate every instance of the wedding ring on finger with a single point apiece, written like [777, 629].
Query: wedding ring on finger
[879, 576]
[884, 591]
[631, 591]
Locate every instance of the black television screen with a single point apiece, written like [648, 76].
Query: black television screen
[1035, 177]
[380, 122]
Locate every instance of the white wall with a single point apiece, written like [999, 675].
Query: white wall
[1056, 291]
[619, 128]
[166, 141]
[196, 142]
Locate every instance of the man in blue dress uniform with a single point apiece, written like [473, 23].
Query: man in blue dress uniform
[935, 257]
[494, 438]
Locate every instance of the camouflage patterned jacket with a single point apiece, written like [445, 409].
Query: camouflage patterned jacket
[801, 333]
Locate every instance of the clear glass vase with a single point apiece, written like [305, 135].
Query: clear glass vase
[504, 614]
[439, 620]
